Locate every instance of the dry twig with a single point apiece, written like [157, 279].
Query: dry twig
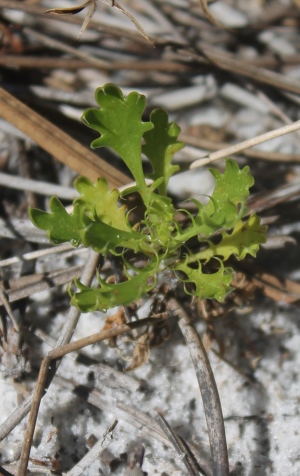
[180, 446]
[56, 142]
[209, 391]
[234, 149]
[71, 321]
[53, 355]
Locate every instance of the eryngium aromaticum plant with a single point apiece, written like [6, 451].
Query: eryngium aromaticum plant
[100, 221]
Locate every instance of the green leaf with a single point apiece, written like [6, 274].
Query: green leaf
[228, 201]
[60, 226]
[156, 238]
[244, 239]
[98, 201]
[102, 237]
[207, 286]
[121, 127]
[160, 146]
[227, 204]
[109, 295]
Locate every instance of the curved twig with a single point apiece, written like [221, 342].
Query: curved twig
[46, 368]
[209, 391]
[66, 335]
[180, 446]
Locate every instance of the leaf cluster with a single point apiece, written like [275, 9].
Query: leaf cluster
[101, 219]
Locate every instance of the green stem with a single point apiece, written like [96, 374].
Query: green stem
[204, 255]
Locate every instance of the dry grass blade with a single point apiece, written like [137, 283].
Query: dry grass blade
[4, 301]
[40, 11]
[64, 248]
[284, 291]
[265, 200]
[99, 336]
[56, 142]
[234, 149]
[253, 154]
[68, 11]
[36, 62]
[91, 4]
[61, 46]
[134, 21]
[209, 391]
[180, 447]
[21, 229]
[39, 187]
[208, 14]
[88, 459]
[25, 286]
[228, 62]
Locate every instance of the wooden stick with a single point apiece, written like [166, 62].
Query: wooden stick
[57, 142]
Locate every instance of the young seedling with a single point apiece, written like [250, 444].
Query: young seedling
[157, 244]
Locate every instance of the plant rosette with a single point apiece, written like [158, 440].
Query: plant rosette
[101, 219]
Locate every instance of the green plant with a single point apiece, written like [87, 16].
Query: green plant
[194, 250]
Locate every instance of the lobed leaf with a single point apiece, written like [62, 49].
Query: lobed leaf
[226, 205]
[109, 295]
[101, 203]
[244, 239]
[102, 237]
[119, 122]
[207, 286]
[230, 194]
[160, 145]
[60, 225]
